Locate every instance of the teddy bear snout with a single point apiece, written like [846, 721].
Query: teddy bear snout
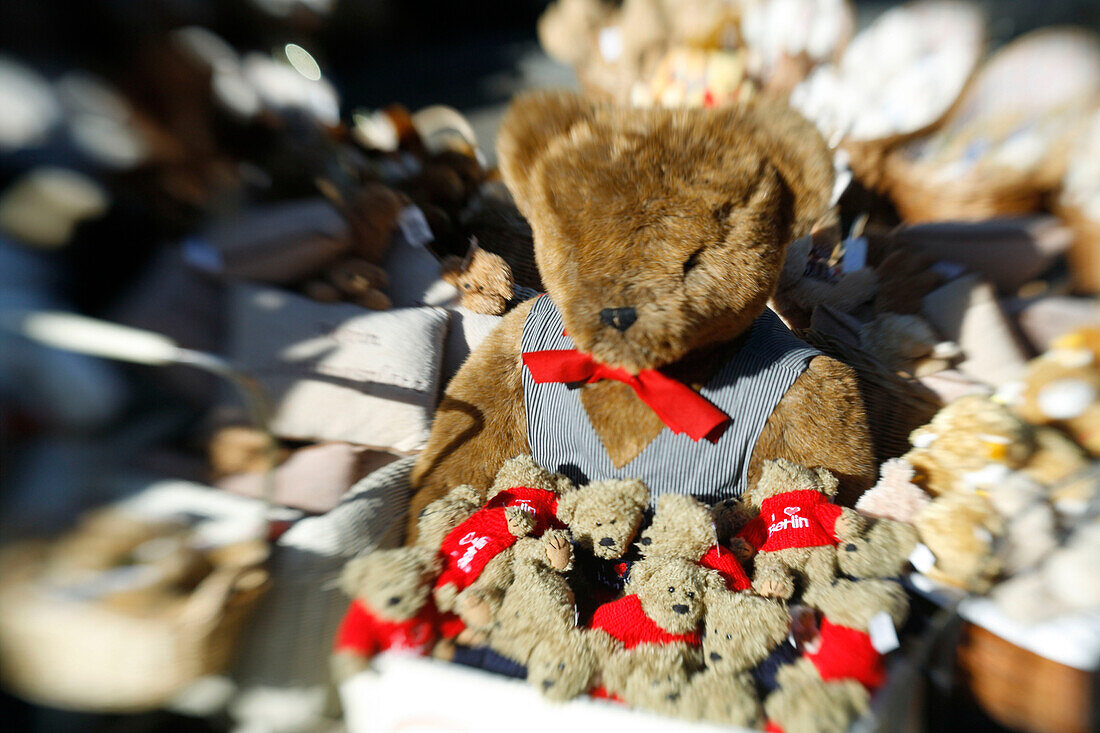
[680, 608]
[618, 318]
[607, 542]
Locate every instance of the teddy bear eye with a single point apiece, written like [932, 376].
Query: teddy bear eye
[671, 589]
[612, 521]
[561, 666]
[729, 636]
[467, 286]
[599, 524]
[691, 594]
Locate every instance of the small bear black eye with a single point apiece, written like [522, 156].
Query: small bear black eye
[599, 524]
[692, 261]
[561, 666]
[671, 589]
[729, 636]
[691, 594]
[612, 521]
[467, 286]
[647, 540]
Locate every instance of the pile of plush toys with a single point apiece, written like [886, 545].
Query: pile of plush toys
[1002, 488]
[774, 608]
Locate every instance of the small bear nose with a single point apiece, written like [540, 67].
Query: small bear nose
[619, 318]
[607, 542]
[547, 684]
[715, 657]
[850, 548]
[680, 608]
[395, 600]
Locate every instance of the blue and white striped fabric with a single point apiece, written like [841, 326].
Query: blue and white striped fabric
[747, 389]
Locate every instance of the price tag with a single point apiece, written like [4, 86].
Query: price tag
[884, 637]
[922, 558]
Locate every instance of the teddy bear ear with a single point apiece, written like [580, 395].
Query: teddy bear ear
[800, 155]
[829, 482]
[636, 492]
[567, 506]
[354, 574]
[532, 121]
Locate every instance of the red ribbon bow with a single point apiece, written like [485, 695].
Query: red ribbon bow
[680, 407]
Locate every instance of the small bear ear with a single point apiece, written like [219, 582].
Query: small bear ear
[636, 492]
[354, 575]
[795, 147]
[567, 506]
[532, 121]
[829, 482]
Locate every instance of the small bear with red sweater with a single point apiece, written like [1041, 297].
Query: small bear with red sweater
[657, 623]
[391, 608]
[798, 527]
[831, 684]
[684, 527]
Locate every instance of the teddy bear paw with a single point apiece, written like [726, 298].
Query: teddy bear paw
[559, 552]
[774, 587]
[741, 549]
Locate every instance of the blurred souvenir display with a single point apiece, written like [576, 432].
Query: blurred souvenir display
[356, 375]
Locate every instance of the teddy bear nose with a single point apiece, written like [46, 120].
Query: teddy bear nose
[619, 318]
[715, 657]
[850, 548]
[680, 608]
[607, 542]
[547, 684]
[395, 600]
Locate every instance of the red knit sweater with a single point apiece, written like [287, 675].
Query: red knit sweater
[625, 620]
[794, 519]
[364, 632]
[541, 503]
[847, 653]
[725, 562]
[469, 547]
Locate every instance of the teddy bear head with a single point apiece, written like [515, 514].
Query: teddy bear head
[671, 591]
[563, 666]
[882, 551]
[730, 515]
[444, 514]
[682, 526]
[484, 280]
[853, 603]
[660, 232]
[395, 584]
[780, 476]
[741, 629]
[971, 441]
[524, 471]
[604, 516]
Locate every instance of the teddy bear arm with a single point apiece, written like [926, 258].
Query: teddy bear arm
[480, 422]
[821, 421]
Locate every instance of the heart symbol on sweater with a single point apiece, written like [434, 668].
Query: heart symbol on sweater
[790, 511]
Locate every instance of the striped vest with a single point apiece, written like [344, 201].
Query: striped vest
[747, 388]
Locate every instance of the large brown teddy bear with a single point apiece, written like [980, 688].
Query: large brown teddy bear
[659, 235]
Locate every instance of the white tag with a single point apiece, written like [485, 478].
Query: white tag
[611, 43]
[200, 254]
[414, 227]
[922, 558]
[884, 637]
[855, 255]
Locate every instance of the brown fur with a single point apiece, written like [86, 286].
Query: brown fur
[683, 215]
